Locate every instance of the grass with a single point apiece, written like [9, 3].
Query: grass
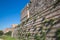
[7, 38]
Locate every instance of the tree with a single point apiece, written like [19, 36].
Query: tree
[1, 33]
[8, 33]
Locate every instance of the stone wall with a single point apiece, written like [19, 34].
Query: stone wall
[45, 16]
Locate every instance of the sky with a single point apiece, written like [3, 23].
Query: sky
[10, 12]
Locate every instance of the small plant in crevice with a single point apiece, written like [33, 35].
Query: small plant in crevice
[23, 23]
[56, 22]
[37, 37]
[58, 34]
[30, 2]
[30, 18]
[43, 19]
[57, 2]
[28, 34]
[18, 25]
[34, 19]
[51, 22]
[44, 36]
[27, 20]
[46, 22]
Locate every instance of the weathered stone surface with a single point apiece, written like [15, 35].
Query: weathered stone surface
[38, 10]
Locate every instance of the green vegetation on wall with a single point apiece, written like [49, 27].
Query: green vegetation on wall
[58, 34]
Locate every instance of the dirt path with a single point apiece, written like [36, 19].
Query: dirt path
[1, 39]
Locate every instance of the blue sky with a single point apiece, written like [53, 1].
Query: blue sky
[10, 12]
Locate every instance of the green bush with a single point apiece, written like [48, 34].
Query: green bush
[58, 34]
